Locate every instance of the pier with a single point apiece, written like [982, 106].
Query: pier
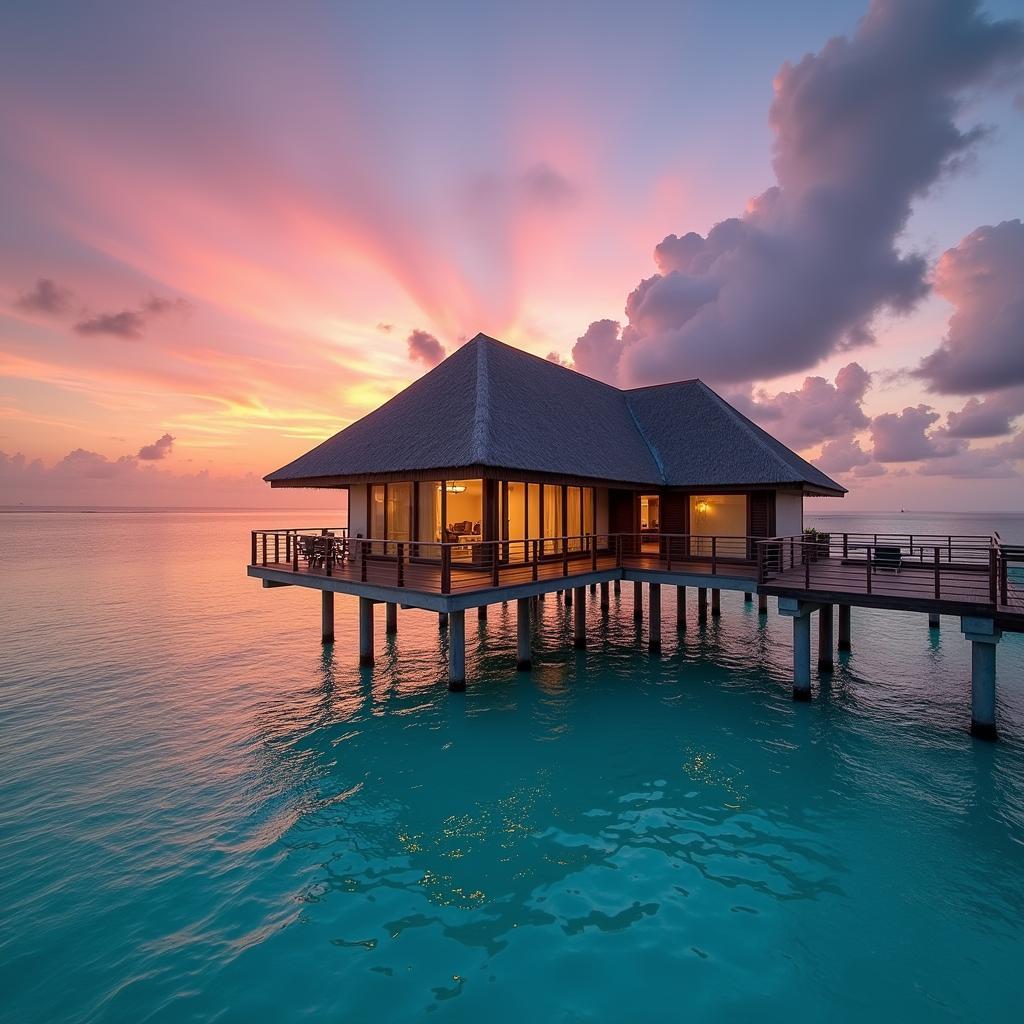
[823, 576]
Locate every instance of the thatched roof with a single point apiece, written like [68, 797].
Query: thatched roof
[492, 406]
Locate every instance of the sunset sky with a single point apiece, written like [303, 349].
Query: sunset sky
[229, 230]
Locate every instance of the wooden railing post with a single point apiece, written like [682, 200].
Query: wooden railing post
[328, 542]
[295, 552]
[807, 570]
[400, 568]
[565, 556]
[993, 574]
[264, 548]
[363, 551]
[938, 576]
[759, 555]
[618, 551]
[868, 553]
[593, 552]
[535, 559]
[446, 569]
[252, 561]
[846, 546]
[1004, 585]
[277, 548]
[495, 567]
[714, 556]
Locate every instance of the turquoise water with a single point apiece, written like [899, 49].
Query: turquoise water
[205, 816]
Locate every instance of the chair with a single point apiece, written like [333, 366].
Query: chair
[886, 557]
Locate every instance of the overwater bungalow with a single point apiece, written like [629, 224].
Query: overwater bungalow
[499, 475]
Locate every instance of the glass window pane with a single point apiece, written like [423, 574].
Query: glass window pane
[552, 526]
[574, 517]
[720, 515]
[465, 502]
[515, 521]
[533, 512]
[428, 526]
[588, 509]
[399, 515]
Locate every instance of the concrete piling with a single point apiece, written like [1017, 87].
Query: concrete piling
[391, 618]
[638, 601]
[826, 658]
[579, 619]
[365, 632]
[802, 657]
[680, 607]
[457, 651]
[845, 631]
[654, 618]
[523, 659]
[716, 603]
[327, 616]
[702, 604]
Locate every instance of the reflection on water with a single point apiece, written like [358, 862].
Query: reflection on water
[207, 814]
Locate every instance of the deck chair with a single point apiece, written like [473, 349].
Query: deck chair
[888, 558]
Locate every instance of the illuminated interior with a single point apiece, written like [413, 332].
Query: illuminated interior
[721, 515]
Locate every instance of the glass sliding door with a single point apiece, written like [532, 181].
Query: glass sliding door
[399, 513]
[533, 530]
[553, 524]
[377, 518]
[574, 517]
[464, 503]
[514, 528]
[428, 518]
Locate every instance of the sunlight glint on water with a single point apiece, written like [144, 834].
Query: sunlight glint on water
[205, 815]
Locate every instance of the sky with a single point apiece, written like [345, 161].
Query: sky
[229, 230]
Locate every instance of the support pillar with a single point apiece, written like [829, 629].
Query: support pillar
[654, 618]
[618, 587]
[481, 613]
[702, 604]
[933, 620]
[680, 606]
[327, 616]
[391, 618]
[802, 657]
[762, 604]
[457, 651]
[604, 596]
[568, 595]
[442, 620]
[801, 615]
[716, 603]
[984, 636]
[523, 660]
[365, 632]
[579, 619]
[593, 588]
[826, 657]
[748, 597]
[845, 631]
[638, 601]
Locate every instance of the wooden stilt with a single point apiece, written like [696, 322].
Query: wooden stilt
[457, 651]
[579, 619]
[523, 659]
[638, 601]
[716, 603]
[680, 607]
[391, 618]
[365, 632]
[826, 658]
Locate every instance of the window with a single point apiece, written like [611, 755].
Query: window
[428, 522]
[464, 501]
[399, 511]
[514, 527]
[588, 510]
[377, 516]
[573, 517]
[552, 525]
[723, 516]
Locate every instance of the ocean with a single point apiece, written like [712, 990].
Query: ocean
[208, 816]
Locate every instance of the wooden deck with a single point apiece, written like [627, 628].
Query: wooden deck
[950, 588]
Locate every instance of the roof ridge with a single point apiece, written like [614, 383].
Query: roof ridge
[651, 447]
[481, 411]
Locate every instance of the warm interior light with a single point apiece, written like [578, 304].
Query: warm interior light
[703, 506]
[453, 488]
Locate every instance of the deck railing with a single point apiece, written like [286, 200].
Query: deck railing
[941, 567]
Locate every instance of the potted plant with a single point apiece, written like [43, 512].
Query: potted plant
[816, 544]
